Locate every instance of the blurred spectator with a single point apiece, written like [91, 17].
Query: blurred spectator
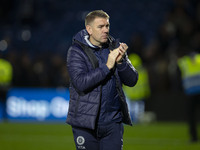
[136, 45]
[58, 72]
[138, 94]
[5, 83]
[190, 72]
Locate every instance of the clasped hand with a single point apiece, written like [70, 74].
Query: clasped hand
[116, 55]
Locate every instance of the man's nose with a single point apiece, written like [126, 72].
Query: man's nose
[106, 29]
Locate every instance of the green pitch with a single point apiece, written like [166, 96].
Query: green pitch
[156, 136]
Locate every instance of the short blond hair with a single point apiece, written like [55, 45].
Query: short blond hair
[94, 14]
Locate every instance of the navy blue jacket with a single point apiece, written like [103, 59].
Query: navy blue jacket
[93, 89]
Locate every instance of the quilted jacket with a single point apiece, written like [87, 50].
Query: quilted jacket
[86, 83]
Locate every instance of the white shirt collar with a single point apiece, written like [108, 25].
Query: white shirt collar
[88, 42]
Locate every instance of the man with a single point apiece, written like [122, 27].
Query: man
[97, 107]
[6, 71]
[189, 66]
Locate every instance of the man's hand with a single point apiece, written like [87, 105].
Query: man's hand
[116, 55]
[122, 50]
[112, 58]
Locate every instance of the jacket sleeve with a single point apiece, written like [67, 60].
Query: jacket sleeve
[81, 72]
[127, 73]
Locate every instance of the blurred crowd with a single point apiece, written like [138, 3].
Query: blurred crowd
[45, 70]
[178, 34]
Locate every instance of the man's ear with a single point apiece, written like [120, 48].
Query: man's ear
[89, 29]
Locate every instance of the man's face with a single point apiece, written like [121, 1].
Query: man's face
[98, 31]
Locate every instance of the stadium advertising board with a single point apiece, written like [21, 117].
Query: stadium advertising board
[1, 111]
[37, 104]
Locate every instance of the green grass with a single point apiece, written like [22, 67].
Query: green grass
[156, 136]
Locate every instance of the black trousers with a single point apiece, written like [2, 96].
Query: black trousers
[105, 137]
[193, 104]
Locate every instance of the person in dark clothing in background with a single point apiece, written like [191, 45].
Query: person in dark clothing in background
[97, 107]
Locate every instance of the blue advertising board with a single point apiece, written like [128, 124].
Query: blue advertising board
[1, 111]
[37, 104]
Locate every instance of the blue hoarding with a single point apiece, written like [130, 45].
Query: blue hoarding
[37, 104]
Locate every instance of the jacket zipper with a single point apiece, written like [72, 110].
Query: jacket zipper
[77, 104]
